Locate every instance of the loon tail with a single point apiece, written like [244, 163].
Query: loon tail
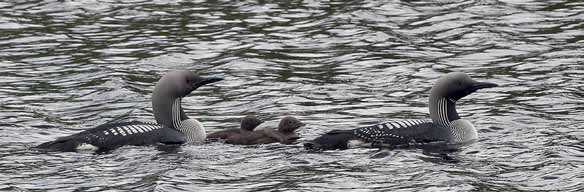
[65, 144]
[335, 139]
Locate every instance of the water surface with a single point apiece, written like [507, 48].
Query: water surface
[69, 65]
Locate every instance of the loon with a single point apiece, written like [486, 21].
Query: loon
[285, 134]
[248, 124]
[173, 127]
[445, 126]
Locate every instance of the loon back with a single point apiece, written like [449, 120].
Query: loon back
[111, 136]
[395, 133]
[409, 133]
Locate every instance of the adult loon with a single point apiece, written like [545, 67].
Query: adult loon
[173, 126]
[445, 126]
[248, 124]
[285, 134]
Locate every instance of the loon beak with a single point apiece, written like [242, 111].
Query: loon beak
[207, 80]
[471, 87]
[299, 126]
[481, 85]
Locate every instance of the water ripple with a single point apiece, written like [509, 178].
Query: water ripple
[70, 65]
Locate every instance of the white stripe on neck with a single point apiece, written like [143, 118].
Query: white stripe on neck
[439, 111]
[443, 111]
[175, 113]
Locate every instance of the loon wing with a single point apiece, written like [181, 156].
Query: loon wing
[393, 134]
[111, 136]
[399, 133]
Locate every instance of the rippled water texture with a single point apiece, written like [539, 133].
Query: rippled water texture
[69, 65]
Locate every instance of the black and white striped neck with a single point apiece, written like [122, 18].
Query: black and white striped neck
[177, 114]
[192, 129]
[443, 110]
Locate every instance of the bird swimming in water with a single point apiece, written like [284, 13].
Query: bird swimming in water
[173, 125]
[285, 134]
[248, 124]
[445, 126]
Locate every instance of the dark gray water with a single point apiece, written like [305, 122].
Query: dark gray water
[69, 65]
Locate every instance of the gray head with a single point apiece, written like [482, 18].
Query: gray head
[250, 122]
[449, 89]
[456, 85]
[169, 91]
[289, 124]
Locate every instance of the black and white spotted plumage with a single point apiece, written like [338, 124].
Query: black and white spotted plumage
[398, 132]
[394, 134]
[110, 136]
[445, 127]
[172, 126]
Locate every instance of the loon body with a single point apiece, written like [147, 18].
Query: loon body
[444, 127]
[285, 134]
[248, 124]
[172, 127]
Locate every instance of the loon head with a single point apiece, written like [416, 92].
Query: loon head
[250, 122]
[456, 85]
[169, 91]
[449, 89]
[180, 83]
[289, 124]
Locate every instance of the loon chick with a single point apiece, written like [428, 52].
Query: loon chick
[445, 126]
[285, 134]
[248, 124]
[173, 126]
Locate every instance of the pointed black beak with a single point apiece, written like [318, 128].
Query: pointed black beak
[207, 80]
[471, 87]
[481, 85]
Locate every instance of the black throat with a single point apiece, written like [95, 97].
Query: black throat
[451, 110]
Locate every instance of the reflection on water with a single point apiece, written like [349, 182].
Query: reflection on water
[70, 65]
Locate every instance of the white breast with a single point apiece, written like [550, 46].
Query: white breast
[193, 130]
[463, 131]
